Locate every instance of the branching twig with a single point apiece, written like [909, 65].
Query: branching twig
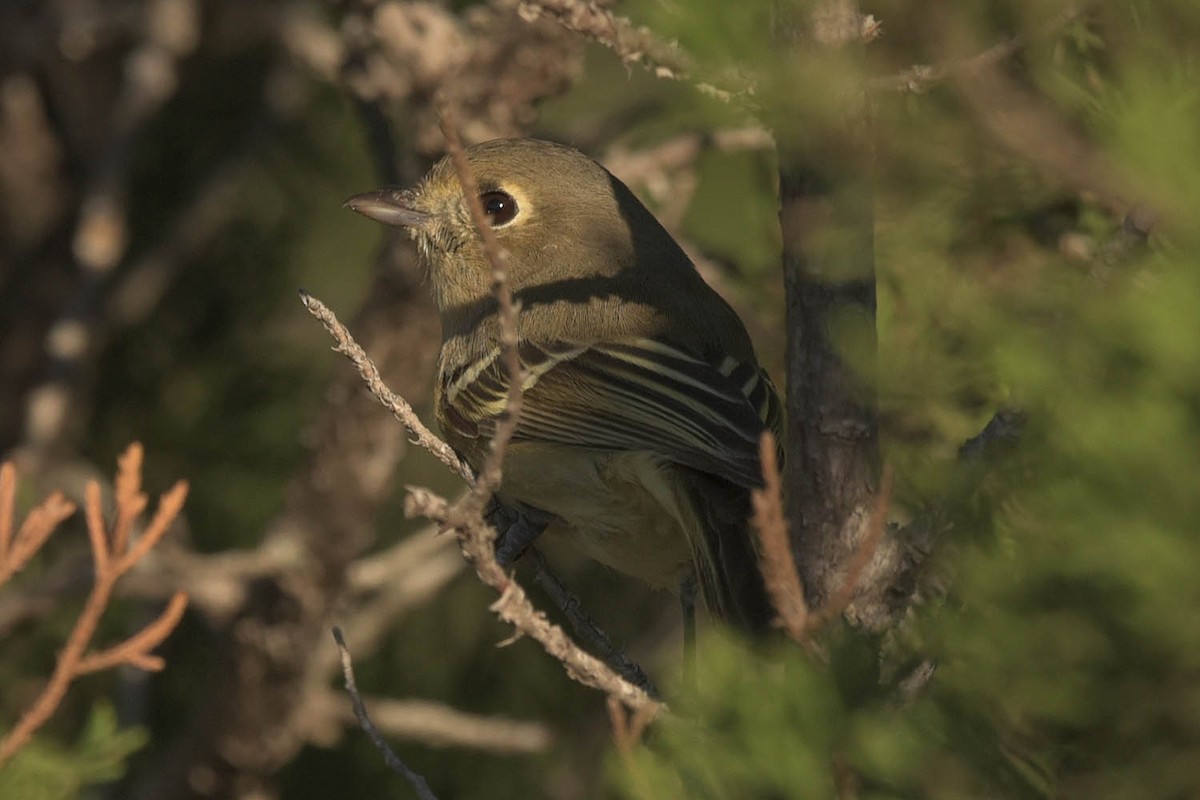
[631, 43]
[39, 523]
[360, 710]
[113, 557]
[513, 606]
[434, 725]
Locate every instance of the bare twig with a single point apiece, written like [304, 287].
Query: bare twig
[627, 728]
[488, 478]
[113, 557]
[513, 606]
[780, 575]
[627, 732]
[39, 523]
[631, 43]
[393, 402]
[360, 710]
[584, 626]
[433, 724]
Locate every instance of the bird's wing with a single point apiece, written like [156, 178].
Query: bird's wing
[642, 394]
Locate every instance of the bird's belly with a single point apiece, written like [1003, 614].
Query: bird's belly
[622, 509]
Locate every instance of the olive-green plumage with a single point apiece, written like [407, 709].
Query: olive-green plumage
[644, 402]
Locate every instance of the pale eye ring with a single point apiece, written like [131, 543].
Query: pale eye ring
[500, 207]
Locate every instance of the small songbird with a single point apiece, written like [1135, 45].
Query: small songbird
[643, 401]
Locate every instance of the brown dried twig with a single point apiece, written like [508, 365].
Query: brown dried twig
[475, 538]
[113, 555]
[400, 408]
[39, 523]
[780, 575]
[631, 43]
[488, 478]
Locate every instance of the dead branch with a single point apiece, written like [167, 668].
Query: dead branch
[631, 43]
[476, 538]
[39, 523]
[113, 557]
[397, 405]
[488, 478]
[436, 725]
[780, 575]
[360, 710]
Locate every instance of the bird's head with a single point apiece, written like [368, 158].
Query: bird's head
[559, 215]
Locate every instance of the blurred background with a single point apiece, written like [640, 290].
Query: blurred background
[172, 171]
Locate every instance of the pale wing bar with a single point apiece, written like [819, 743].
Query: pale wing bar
[638, 395]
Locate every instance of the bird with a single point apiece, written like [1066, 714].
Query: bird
[644, 402]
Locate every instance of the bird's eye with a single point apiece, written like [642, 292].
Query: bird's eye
[500, 207]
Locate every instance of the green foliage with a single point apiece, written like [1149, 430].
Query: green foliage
[50, 770]
[1059, 605]
[732, 215]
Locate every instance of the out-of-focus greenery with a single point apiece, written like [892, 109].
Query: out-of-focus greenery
[1061, 623]
[46, 770]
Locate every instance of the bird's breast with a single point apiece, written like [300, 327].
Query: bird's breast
[625, 510]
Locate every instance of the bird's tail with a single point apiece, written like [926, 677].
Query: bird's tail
[726, 556]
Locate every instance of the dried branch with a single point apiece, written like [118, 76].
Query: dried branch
[113, 558]
[40, 522]
[627, 732]
[514, 605]
[488, 478]
[360, 710]
[780, 575]
[627, 728]
[584, 626]
[437, 725]
[393, 402]
[632, 44]
[476, 541]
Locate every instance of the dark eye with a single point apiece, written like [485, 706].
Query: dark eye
[500, 207]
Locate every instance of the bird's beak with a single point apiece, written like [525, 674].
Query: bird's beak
[389, 207]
